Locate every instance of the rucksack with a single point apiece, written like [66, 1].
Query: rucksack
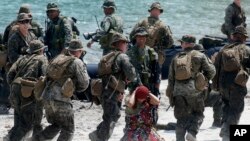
[106, 64]
[58, 66]
[182, 65]
[231, 58]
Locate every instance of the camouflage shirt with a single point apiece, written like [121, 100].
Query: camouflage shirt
[18, 44]
[160, 35]
[58, 35]
[234, 16]
[199, 63]
[30, 66]
[143, 60]
[36, 29]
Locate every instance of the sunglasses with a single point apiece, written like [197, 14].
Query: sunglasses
[24, 21]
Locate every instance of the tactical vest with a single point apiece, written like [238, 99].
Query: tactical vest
[115, 26]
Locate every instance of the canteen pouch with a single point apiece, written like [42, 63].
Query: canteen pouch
[117, 85]
[27, 87]
[39, 87]
[241, 78]
[68, 88]
[200, 82]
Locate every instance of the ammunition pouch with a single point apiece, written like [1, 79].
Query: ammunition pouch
[96, 90]
[145, 76]
[105, 40]
[27, 87]
[241, 78]
[39, 87]
[68, 88]
[117, 85]
[200, 82]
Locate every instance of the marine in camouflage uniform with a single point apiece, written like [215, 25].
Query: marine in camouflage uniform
[110, 97]
[145, 61]
[58, 32]
[35, 27]
[234, 16]
[225, 82]
[111, 23]
[212, 98]
[160, 36]
[184, 96]
[28, 111]
[58, 106]
[19, 41]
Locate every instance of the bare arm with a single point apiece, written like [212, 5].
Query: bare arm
[153, 99]
[131, 100]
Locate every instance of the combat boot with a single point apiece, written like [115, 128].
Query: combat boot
[190, 137]
[93, 136]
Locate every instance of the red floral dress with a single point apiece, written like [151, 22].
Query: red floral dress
[139, 124]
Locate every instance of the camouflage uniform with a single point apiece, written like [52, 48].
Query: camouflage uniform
[234, 16]
[35, 27]
[111, 111]
[160, 36]
[110, 24]
[232, 93]
[27, 111]
[187, 101]
[58, 33]
[17, 43]
[212, 98]
[58, 108]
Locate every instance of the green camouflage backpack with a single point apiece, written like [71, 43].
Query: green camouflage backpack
[231, 58]
[57, 67]
[182, 65]
[106, 64]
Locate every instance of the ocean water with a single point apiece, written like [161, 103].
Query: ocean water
[196, 17]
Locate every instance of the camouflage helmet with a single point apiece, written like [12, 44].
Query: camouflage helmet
[156, 5]
[118, 37]
[35, 46]
[240, 30]
[140, 31]
[52, 7]
[188, 39]
[24, 9]
[109, 4]
[75, 45]
[199, 47]
[23, 17]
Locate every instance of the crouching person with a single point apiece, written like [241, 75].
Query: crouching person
[22, 77]
[139, 117]
[65, 74]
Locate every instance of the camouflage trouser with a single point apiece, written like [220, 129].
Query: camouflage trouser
[60, 115]
[27, 115]
[213, 99]
[233, 106]
[189, 114]
[111, 114]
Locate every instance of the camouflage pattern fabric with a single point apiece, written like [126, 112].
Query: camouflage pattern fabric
[58, 36]
[234, 16]
[35, 28]
[232, 94]
[27, 111]
[17, 45]
[188, 102]
[160, 35]
[109, 24]
[111, 110]
[58, 108]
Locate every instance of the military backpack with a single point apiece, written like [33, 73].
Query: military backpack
[182, 65]
[106, 64]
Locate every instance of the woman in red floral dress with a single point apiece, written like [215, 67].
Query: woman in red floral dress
[139, 121]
